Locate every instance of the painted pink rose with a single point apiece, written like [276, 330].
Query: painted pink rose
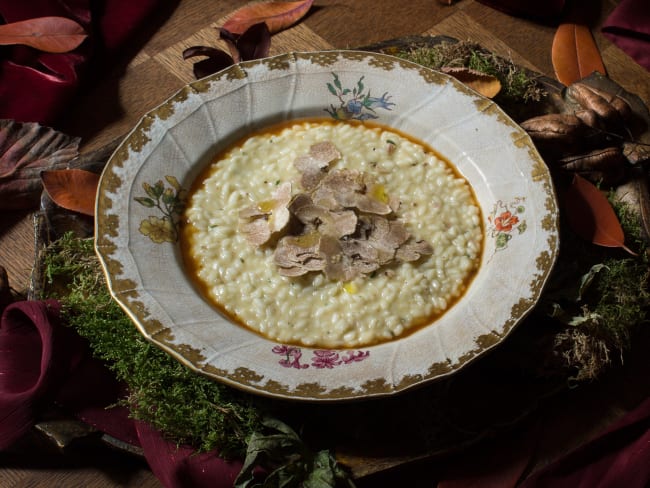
[325, 359]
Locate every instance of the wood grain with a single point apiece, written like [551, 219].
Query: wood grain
[153, 69]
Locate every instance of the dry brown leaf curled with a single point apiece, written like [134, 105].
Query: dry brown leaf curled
[487, 85]
[574, 53]
[277, 15]
[26, 150]
[73, 189]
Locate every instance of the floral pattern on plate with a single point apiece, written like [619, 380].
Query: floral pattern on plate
[355, 103]
[506, 221]
[320, 359]
[170, 201]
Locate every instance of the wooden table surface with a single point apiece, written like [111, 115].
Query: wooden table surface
[154, 69]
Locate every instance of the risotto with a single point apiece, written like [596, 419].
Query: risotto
[234, 234]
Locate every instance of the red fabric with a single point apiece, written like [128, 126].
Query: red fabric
[90, 393]
[628, 27]
[36, 355]
[43, 361]
[619, 457]
[181, 467]
[37, 86]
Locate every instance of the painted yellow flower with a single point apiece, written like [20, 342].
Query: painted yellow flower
[159, 230]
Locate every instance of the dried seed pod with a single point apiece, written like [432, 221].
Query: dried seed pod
[589, 117]
[589, 98]
[622, 107]
[553, 127]
[556, 135]
[612, 109]
[606, 166]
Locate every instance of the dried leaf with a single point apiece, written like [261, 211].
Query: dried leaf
[216, 60]
[575, 54]
[487, 85]
[255, 43]
[72, 189]
[25, 151]
[277, 15]
[49, 34]
[591, 216]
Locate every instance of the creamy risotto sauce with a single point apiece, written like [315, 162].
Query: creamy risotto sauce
[242, 280]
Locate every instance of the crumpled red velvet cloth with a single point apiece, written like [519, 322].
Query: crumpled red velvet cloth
[43, 362]
[37, 86]
[628, 27]
[618, 457]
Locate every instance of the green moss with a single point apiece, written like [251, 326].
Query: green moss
[187, 407]
[602, 296]
[518, 85]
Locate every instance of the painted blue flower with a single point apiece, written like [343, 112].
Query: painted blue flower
[356, 103]
[374, 102]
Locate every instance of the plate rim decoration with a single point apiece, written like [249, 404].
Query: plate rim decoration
[137, 214]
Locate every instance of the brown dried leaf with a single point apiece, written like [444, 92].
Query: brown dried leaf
[277, 15]
[26, 150]
[575, 54]
[49, 34]
[487, 85]
[72, 189]
[591, 216]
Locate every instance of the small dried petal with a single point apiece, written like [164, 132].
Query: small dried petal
[315, 165]
[261, 220]
[257, 231]
[413, 250]
[298, 255]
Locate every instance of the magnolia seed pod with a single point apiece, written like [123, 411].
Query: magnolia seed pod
[557, 135]
[588, 117]
[589, 98]
[613, 110]
[622, 107]
[619, 104]
[606, 166]
[553, 127]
